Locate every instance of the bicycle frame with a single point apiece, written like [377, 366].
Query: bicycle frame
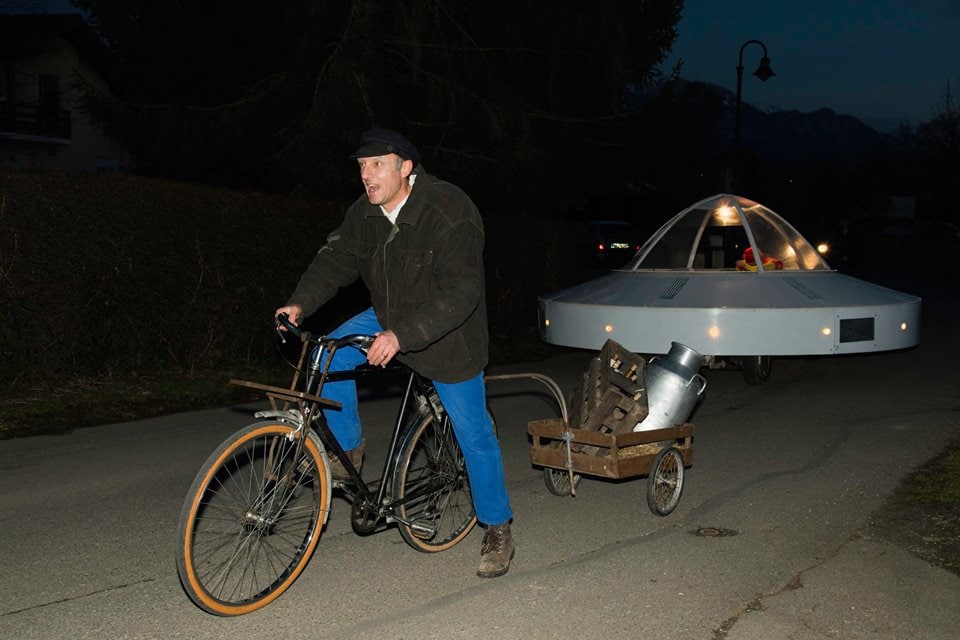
[258, 505]
[419, 395]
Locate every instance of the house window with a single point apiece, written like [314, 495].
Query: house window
[49, 88]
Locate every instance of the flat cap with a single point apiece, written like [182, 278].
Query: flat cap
[379, 142]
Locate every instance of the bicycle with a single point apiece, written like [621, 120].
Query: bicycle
[256, 509]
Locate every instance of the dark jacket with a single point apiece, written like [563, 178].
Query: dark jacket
[425, 276]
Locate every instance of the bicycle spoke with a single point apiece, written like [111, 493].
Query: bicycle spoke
[433, 490]
[255, 520]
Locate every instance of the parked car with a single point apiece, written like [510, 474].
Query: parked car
[612, 243]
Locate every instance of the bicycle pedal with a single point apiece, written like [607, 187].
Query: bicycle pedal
[423, 530]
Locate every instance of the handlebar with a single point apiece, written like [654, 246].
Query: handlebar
[359, 340]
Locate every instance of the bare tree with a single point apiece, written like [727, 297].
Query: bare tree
[508, 91]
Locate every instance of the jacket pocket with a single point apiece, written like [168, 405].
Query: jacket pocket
[369, 267]
[416, 276]
[446, 360]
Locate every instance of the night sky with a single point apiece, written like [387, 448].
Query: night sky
[879, 60]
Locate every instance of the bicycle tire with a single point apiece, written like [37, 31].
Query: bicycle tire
[432, 488]
[252, 519]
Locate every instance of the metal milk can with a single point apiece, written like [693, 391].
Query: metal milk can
[674, 387]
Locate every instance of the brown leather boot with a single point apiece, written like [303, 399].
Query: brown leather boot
[338, 471]
[496, 552]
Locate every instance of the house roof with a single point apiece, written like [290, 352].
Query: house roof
[29, 34]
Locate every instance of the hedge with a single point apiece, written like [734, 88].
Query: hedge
[102, 274]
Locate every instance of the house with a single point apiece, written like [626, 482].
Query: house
[45, 61]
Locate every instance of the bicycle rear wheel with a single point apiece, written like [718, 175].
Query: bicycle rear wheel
[432, 488]
[252, 519]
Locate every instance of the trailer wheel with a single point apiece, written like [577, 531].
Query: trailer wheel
[665, 482]
[558, 481]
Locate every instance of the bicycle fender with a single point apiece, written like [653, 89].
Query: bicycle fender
[326, 466]
[290, 416]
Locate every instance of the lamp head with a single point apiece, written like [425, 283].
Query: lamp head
[764, 72]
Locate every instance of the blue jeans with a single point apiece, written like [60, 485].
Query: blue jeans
[465, 403]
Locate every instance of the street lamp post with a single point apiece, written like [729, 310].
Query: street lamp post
[764, 72]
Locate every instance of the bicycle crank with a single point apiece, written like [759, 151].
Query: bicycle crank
[364, 517]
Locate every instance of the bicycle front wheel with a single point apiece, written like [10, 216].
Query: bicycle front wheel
[252, 518]
[431, 487]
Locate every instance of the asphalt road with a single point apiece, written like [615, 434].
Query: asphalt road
[790, 472]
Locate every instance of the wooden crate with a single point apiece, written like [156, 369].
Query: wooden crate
[614, 372]
[612, 396]
[623, 370]
[616, 456]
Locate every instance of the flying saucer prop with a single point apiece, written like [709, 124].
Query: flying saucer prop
[729, 277]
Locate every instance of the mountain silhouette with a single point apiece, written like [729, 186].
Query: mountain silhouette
[702, 119]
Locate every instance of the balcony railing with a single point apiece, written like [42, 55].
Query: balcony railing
[33, 120]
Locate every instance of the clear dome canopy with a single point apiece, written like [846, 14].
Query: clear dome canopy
[727, 232]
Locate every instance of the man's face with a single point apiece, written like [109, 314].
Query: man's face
[385, 179]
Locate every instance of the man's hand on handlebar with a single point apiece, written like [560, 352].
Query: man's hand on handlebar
[383, 348]
[293, 313]
[380, 351]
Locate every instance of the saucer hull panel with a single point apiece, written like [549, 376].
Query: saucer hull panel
[732, 313]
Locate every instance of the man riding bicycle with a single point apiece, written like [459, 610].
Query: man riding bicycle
[417, 243]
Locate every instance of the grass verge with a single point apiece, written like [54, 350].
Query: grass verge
[90, 402]
[923, 513]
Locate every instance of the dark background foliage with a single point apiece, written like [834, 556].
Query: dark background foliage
[103, 275]
[508, 99]
[181, 266]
